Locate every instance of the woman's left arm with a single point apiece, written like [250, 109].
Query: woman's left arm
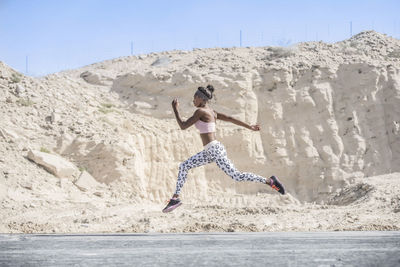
[224, 117]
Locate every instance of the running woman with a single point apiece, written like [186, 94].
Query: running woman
[204, 119]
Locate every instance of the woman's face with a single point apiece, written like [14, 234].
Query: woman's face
[197, 101]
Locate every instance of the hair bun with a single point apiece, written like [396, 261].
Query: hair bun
[204, 91]
[211, 89]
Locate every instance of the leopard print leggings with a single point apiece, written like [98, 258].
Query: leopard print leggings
[214, 151]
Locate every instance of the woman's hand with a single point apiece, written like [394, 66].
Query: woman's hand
[255, 127]
[175, 103]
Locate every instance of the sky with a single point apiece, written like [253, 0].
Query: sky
[39, 37]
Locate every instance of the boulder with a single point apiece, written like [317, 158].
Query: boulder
[161, 62]
[95, 78]
[86, 182]
[10, 135]
[55, 116]
[3, 187]
[20, 90]
[53, 164]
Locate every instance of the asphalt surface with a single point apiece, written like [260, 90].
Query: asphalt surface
[202, 249]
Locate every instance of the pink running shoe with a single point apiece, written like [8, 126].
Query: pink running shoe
[276, 184]
[172, 204]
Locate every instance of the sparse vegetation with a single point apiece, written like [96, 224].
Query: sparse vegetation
[26, 102]
[45, 150]
[395, 53]
[279, 52]
[107, 105]
[82, 168]
[105, 110]
[16, 77]
[354, 44]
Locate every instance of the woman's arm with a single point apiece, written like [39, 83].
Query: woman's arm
[189, 122]
[224, 117]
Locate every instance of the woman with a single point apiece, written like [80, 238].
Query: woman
[204, 119]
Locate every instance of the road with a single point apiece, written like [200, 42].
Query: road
[202, 249]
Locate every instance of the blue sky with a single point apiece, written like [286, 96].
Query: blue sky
[63, 34]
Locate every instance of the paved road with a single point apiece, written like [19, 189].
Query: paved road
[215, 249]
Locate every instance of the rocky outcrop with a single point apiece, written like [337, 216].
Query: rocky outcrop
[54, 164]
[329, 113]
[86, 182]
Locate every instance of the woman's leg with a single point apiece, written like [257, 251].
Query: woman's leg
[227, 166]
[197, 160]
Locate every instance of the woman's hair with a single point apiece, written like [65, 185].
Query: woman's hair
[206, 92]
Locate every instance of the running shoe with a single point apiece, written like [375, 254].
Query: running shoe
[276, 184]
[172, 204]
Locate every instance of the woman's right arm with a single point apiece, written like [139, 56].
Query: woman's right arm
[189, 122]
[224, 117]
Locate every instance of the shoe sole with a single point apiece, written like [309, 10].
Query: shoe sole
[277, 188]
[172, 208]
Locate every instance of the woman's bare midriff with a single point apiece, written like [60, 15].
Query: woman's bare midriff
[207, 138]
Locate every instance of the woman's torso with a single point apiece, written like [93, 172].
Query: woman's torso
[208, 117]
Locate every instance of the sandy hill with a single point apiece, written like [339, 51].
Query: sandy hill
[85, 146]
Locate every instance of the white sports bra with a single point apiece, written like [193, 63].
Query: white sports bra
[205, 127]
